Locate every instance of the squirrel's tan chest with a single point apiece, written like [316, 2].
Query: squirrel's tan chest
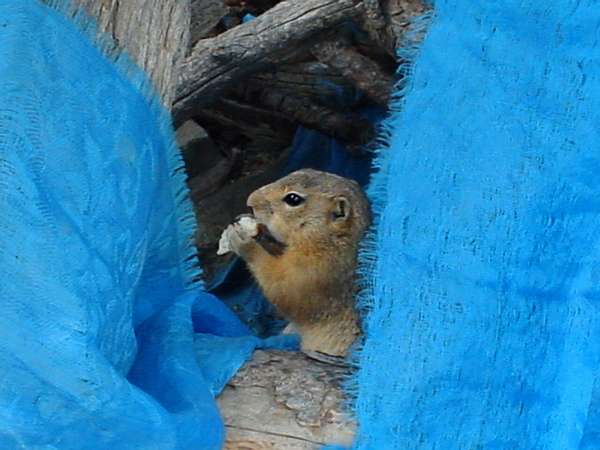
[295, 283]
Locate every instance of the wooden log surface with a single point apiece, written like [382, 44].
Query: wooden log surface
[311, 79]
[205, 15]
[347, 127]
[155, 33]
[399, 14]
[285, 401]
[365, 73]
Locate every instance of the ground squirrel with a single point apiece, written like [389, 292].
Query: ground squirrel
[300, 243]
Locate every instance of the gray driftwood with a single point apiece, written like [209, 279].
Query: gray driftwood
[154, 32]
[346, 127]
[311, 79]
[338, 54]
[206, 14]
[285, 401]
[398, 15]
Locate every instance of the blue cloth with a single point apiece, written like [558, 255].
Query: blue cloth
[99, 306]
[483, 329]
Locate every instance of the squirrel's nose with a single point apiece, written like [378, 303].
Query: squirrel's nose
[251, 202]
[258, 204]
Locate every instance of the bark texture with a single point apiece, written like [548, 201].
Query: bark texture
[254, 46]
[365, 73]
[155, 33]
[286, 401]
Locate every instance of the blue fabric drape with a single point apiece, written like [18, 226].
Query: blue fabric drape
[99, 310]
[483, 326]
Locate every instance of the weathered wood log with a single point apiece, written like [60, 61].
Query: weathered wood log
[271, 115]
[311, 79]
[256, 6]
[252, 120]
[285, 401]
[219, 62]
[364, 73]
[349, 128]
[399, 14]
[375, 23]
[155, 33]
[205, 15]
[386, 21]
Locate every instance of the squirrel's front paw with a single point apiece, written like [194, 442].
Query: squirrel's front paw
[238, 235]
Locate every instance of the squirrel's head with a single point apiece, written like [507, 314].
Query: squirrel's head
[311, 205]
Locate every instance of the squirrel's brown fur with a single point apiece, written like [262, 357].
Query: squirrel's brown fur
[304, 256]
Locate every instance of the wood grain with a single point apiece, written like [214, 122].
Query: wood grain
[220, 62]
[286, 401]
[155, 33]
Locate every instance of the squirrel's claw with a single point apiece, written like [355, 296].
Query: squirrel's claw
[237, 235]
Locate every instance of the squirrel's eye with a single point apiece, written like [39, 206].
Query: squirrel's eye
[293, 199]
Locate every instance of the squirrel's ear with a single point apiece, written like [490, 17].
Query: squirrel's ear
[341, 209]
